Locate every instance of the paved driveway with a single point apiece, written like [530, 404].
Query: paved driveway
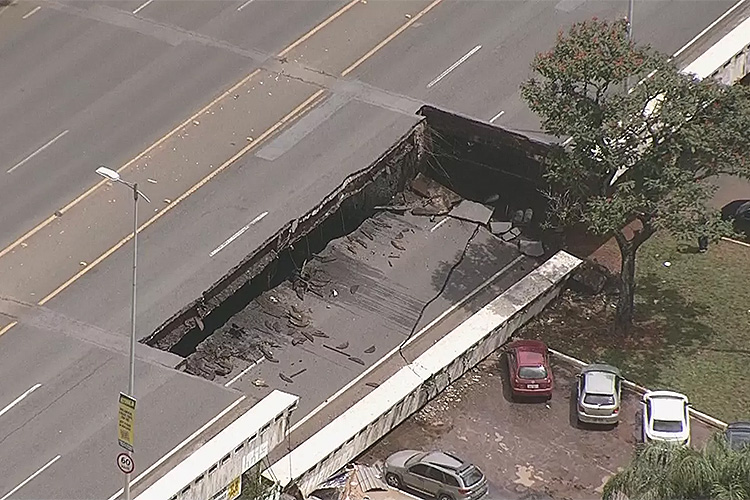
[527, 450]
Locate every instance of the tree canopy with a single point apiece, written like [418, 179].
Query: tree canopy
[643, 159]
[663, 471]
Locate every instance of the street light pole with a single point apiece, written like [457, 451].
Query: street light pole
[630, 38]
[114, 176]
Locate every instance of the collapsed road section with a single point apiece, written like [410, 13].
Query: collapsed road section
[341, 309]
[362, 274]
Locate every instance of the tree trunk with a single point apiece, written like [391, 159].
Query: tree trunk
[626, 300]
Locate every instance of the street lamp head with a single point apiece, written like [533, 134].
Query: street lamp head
[108, 173]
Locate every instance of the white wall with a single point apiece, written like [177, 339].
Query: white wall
[368, 420]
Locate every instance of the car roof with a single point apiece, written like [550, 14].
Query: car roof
[666, 405]
[601, 367]
[599, 382]
[444, 460]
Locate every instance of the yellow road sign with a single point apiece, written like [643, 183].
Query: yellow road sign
[126, 421]
[235, 488]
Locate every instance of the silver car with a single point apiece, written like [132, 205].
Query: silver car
[435, 473]
[599, 394]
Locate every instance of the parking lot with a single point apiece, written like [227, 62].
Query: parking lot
[526, 449]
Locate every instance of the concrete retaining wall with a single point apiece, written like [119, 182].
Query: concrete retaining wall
[413, 386]
[728, 60]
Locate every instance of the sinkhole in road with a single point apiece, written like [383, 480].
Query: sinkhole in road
[287, 266]
[477, 161]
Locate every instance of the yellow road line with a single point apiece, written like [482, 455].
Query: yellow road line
[318, 28]
[390, 37]
[8, 327]
[223, 95]
[294, 113]
[308, 103]
[96, 186]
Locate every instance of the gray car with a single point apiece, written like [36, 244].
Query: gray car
[599, 394]
[435, 473]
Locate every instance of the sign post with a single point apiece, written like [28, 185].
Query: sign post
[125, 463]
[126, 421]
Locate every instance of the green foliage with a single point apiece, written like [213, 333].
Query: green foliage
[255, 486]
[648, 154]
[662, 471]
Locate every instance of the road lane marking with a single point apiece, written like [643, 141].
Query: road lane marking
[390, 37]
[291, 115]
[28, 479]
[5, 7]
[454, 66]
[708, 28]
[237, 234]
[501, 113]
[245, 4]
[32, 12]
[439, 224]
[7, 327]
[179, 446]
[319, 27]
[160, 141]
[32, 155]
[19, 399]
[243, 372]
[393, 351]
[143, 6]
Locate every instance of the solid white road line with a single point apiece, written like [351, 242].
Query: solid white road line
[414, 337]
[708, 28]
[454, 66]
[19, 398]
[28, 479]
[178, 447]
[50, 143]
[439, 224]
[32, 12]
[245, 4]
[143, 6]
[237, 234]
[243, 372]
[501, 113]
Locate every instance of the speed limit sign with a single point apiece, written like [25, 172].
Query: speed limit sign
[125, 463]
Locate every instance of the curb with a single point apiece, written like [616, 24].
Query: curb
[703, 417]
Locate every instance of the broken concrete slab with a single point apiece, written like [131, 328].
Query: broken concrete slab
[531, 248]
[424, 186]
[500, 227]
[472, 212]
[512, 234]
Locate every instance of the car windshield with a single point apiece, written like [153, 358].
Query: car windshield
[471, 476]
[532, 372]
[414, 459]
[667, 426]
[599, 399]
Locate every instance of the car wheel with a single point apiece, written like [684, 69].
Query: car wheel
[393, 480]
[443, 496]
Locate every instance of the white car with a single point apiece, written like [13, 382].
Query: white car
[666, 417]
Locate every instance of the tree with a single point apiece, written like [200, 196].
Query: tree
[663, 471]
[640, 161]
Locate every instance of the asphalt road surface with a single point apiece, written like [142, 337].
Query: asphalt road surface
[95, 83]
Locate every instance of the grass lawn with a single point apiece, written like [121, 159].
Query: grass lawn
[693, 326]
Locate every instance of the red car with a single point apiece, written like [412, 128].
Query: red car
[529, 369]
